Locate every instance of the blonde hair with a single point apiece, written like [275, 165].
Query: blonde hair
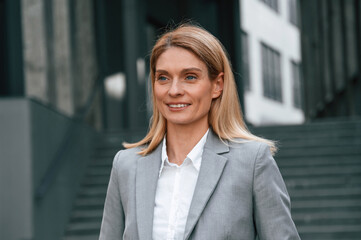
[225, 116]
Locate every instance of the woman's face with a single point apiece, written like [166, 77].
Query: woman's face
[182, 88]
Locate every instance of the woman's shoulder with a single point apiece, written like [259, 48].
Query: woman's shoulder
[240, 144]
[249, 150]
[126, 158]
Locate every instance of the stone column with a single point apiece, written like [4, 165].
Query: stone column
[35, 61]
[62, 57]
[134, 43]
[85, 66]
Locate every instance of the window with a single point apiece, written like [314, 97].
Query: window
[296, 84]
[272, 3]
[293, 12]
[245, 61]
[271, 70]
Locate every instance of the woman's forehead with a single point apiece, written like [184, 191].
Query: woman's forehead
[177, 56]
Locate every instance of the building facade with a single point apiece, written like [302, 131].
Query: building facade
[271, 62]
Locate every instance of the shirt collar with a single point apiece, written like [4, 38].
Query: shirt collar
[195, 155]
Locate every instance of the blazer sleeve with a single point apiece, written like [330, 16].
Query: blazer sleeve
[112, 226]
[272, 213]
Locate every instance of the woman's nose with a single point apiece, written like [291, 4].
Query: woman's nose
[175, 88]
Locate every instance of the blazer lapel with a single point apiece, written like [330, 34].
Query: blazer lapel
[146, 184]
[210, 172]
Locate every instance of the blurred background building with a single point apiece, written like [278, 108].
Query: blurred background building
[74, 84]
[272, 59]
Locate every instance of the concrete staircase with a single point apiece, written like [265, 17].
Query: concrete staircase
[88, 208]
[87, 212]
[320, 162]
[321, 165]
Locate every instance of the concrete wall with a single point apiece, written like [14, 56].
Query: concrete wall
[30, 136]
[16, 200]
[262, 24]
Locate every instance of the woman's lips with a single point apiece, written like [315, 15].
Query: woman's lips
[180, 105]
[177, 106]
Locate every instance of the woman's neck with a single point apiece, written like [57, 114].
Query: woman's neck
[181, 140]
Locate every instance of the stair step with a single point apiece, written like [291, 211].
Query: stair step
[308, 182]
[355, 142]
[319, 204]
[330, 232]
[82, 237]
[313, 217]
[289, 136]
[314, 207]
[337, 193]
[321, 170]
[93, 192]
[102, 163]
[101, 172]
[118, 137]
[95, 202]
[302, 134]
[314, 236]
[321, 151]
[314, 127]
[104, 168]
[318, 161]
[77, 226]
[319, 141]
[106, 153]
[87, 213]
[89, 231]
[334, 229]
[96, 180]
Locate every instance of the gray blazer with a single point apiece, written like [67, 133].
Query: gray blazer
[239, 194]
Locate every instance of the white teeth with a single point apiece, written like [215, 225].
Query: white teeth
[178, 105]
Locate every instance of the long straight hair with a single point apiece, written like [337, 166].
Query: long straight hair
[225, 116]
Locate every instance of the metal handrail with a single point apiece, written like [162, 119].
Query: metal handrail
[54, 166]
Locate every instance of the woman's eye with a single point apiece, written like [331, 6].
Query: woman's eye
[162, 78]
[191, 77]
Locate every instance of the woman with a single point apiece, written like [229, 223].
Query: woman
[198, 173]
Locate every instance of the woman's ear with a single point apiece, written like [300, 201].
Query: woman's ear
[218, 85]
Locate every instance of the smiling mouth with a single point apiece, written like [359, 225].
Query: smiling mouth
[178, 105]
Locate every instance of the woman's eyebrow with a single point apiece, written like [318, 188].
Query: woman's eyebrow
[161, 71]
[191, 70]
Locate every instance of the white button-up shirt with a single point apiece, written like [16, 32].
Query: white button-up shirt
[175, 192]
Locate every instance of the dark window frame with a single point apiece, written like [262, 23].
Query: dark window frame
[271, 73]
[274, 4]
[296, 84]
[293, 12]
